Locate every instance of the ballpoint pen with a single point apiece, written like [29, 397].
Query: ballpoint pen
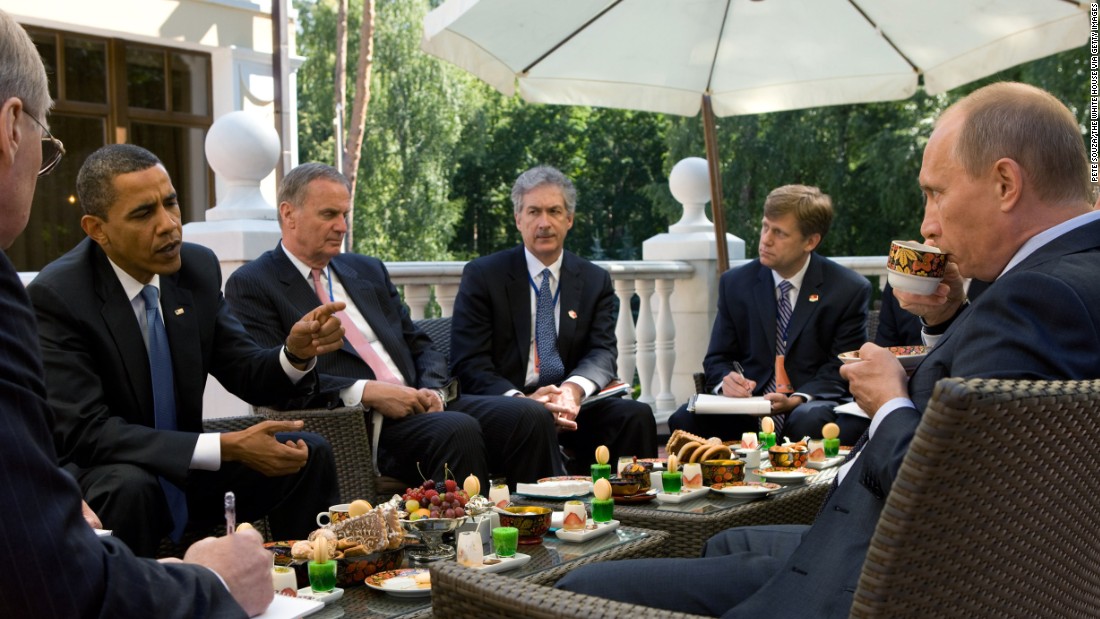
[740, 370]
[230, 513]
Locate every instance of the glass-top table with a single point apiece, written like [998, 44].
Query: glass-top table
[549, 560]
[691, 523]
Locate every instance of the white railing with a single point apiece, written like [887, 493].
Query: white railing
[645, 346]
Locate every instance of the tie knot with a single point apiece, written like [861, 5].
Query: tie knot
[151, 296]
[315, 274]
[785, 287]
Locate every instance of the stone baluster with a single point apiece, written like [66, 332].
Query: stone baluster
[445, 296]
[624, 330]
[665, 346]
[417, 297]
[646, 334]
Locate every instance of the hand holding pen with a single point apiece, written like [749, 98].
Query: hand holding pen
[736, 384]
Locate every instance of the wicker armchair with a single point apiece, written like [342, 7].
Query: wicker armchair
[991, 514]
[460, 593]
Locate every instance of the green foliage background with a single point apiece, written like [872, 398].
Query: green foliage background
[442, 150]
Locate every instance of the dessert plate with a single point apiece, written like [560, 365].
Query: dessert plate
[592, 529]
[493, 563]
[683, 495]
[785, 476]
[630, 499]
[826, 463]
[328, 597]
[745, 488]
[400, 583]
[909, 356]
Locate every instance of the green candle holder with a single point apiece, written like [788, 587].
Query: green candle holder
[602, 509]
[601, 471]
[322, 576]
[671, 481]
[767, 439]
[832, 447]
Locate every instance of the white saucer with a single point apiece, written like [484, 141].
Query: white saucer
[327, 597]
[591, 530]
[504, 563]
[683, 495]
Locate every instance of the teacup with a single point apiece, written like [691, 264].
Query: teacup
[915, 267]
[335, 513]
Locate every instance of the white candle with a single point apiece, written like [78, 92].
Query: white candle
[575, 516]
[284, 580]
[469, 549]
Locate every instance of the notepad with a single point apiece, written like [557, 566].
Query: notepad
[706, 404]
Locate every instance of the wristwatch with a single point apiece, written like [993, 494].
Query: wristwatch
[293, 358]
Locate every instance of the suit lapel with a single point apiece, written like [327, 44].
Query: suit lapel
[763, 294]
[517, 290]
[811, 285]
[570, 285]
[118, 316]
[181, 325]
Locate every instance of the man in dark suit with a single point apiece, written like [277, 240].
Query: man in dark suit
[897, 327]
[498, 347]
[64, 571]
[129, 413]
[474, 435]
[827, 316]
[1006, 184]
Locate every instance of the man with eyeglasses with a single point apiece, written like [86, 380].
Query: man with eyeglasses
[64, 570]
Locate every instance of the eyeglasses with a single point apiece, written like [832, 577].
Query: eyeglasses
[52, 149]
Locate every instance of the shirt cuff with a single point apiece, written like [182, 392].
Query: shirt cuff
[511, 393]
[804, 396]
[353, 393]
[587, 386]
[208, 452]
[294, 374]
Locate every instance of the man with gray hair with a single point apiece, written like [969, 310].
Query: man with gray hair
[537, 321]
[387, 363]
[65, 571]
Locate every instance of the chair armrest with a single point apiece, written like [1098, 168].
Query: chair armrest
[346, 430]
[459, 592]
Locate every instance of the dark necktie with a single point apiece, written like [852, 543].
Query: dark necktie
[164, 399]
[551, 369]
[782, 321]
[863, 438]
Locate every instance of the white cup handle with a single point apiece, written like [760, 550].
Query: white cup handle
[324, 515]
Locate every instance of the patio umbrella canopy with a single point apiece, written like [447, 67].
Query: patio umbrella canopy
[748, 56]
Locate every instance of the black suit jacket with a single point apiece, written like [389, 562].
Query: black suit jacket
[491, 328]
[97, 366]
[829, 318]
[63, 570]
[270, 295]
[1040, 320]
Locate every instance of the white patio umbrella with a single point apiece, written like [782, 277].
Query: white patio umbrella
[743, 56]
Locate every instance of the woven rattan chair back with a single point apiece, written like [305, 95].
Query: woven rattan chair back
[995, 510]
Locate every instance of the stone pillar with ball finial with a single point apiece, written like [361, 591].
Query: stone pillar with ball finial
[694, 302]
[242, 149]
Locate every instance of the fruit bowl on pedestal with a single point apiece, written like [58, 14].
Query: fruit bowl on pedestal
[430, 532]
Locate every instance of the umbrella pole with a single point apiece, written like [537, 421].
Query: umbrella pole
[711, 137]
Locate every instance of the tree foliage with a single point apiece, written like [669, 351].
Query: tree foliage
[442, 151]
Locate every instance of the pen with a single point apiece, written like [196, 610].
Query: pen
[740, 370]
[230, 513]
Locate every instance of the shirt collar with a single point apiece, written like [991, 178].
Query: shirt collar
[535, 267]
[796, 279]
[1046, 236]
[131, 286]
[303, 268]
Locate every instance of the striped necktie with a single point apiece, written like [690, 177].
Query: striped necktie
[551, 369]
[782, 321]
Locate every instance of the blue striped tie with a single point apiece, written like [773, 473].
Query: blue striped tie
[782, 320]
[551, 369]
[164, 399]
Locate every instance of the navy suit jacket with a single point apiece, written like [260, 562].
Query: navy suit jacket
[491, 328]
[1040, 320]
[63, 570]
[97, 366]
[830, 317]
[269, 295]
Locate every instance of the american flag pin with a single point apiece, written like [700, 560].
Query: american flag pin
[814, 298]
[179, 311]
[572, 314]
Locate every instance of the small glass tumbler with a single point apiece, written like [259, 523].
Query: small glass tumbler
[602, 509]
[601, 471]
[671, 481]
[322, 576]
[505, 541]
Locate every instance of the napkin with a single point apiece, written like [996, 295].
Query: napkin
[556, 488]
[851, 408]
[706, 404]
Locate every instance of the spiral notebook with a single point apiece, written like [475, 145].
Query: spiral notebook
[707, 404]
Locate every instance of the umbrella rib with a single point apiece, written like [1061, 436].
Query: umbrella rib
[884, 36]
[718, 45]
[571, 35]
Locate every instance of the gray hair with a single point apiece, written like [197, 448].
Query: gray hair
[543, 175]
[95, 182]
[22, 73]
[296, 183]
